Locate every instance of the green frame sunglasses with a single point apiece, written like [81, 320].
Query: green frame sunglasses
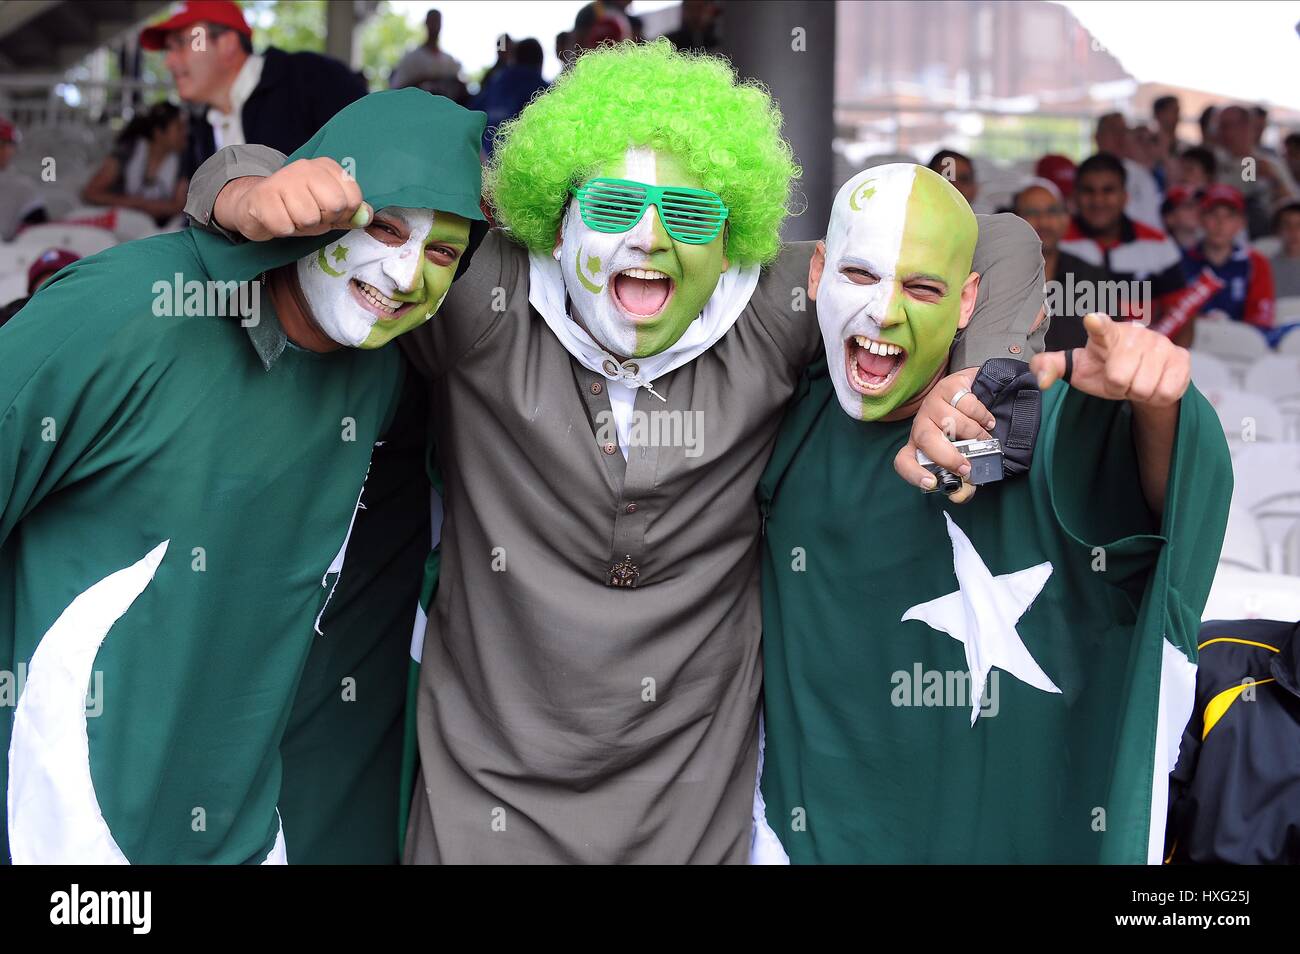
[693, 216]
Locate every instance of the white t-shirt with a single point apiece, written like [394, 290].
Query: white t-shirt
[423, 65]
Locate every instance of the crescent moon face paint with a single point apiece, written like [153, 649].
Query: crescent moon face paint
[376, 283]
[636, 292]
[898, 251]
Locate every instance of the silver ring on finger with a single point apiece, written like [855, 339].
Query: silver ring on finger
[956, 398]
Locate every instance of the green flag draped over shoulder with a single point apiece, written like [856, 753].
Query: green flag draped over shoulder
[170, 511]
[1074, 607]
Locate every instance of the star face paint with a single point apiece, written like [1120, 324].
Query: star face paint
[379, 282]
[898, 252]
[636, 292]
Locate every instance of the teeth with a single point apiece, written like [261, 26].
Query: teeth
[377, 298]
[646, 273]
[877, 347]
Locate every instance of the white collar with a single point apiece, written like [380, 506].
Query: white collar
[250, 74]
[546, 293]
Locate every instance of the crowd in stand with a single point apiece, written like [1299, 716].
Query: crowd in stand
[1210, 229]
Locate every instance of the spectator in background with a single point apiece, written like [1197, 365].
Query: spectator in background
[1181, 214]
[597, 23]
[1041, 204]
[1209, 123]
[635, 27]
[429, 67]
[1143, 193]
[1197, 168]
[958, 170]
[1286, 263]
[1263, 182]
[699, 29]
[1058, 170]
[143, 170]
[275, 99]
[1166, 112]
[1103, 235]
[1258, 126]
[508, 92]
[505, 51]
[1291, 146]
[1247, 278]
[20, 197]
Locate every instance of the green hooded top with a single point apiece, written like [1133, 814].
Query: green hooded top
[170, 514]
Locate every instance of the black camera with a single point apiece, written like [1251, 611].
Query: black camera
[985, 465]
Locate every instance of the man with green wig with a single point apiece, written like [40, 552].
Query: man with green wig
[186, 429]
[606, 382]
[1005, 681]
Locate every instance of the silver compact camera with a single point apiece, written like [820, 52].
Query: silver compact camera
[985, 465]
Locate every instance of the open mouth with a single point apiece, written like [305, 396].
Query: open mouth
[642, 292]
[376, 302]
[872, 365]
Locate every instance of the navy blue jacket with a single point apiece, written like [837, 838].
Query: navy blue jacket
[297, 93]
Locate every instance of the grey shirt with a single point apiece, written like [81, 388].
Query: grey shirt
[563, 717]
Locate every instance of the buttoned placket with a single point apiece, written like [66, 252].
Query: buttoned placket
[633, 479]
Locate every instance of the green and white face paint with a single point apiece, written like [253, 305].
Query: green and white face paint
[898, 252]
[636, 292]
[376, 283]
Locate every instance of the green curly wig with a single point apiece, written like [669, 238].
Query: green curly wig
[627, 95]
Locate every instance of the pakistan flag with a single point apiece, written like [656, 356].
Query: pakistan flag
[1004, 681]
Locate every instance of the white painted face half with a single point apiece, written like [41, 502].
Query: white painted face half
[353, 284]
[866, 232]
[591, 259]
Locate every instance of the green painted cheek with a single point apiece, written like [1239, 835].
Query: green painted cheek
[926, 334]
[437, 281]
[701, 267]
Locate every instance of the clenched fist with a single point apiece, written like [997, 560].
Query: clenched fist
[1123, 361]
[306, 197]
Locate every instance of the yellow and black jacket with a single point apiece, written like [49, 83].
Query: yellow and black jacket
[1234, 796]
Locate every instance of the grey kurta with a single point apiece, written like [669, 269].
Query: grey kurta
[561, 718]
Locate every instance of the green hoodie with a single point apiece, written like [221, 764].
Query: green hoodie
[170, 513]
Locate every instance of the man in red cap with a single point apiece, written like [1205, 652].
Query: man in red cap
[1058, 170]
[1247, 277]
[20, 198]
[274, 98]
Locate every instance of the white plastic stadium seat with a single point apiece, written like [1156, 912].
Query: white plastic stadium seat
[130, 224]
[12, 287]
[1210, 374]
[1268, 246]
[1277, 376]
[82, 239]
[1243, 543]
[1291, 554]
[1245, 594]
[1288, 310]
[1267, 478]
[1247, 417]
[15, 259]
[1236, 344]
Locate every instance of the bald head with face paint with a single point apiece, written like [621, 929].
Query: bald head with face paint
[893, 284]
